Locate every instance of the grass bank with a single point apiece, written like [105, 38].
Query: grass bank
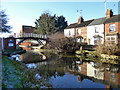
[15, 74]
[13, 51]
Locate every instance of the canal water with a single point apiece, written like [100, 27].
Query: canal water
[68, 71]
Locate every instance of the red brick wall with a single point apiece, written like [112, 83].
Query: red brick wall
[27, 29]
[6, 43]
[26, 44]
[84, 68]
[117, 77]
[117, 24]
[84, 34]
[117, 27]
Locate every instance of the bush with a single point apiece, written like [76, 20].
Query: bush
[113, 49]
[68, 45]
[62, 44]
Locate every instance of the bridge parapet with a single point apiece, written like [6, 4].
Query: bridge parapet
[18, 35]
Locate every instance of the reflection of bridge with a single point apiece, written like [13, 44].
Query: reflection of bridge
[25, 36]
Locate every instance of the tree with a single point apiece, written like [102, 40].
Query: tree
[48, 24]
[3, 22]
[45, 24]
[61, 23]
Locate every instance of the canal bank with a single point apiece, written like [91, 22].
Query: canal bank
[16, 74]
[58, 71]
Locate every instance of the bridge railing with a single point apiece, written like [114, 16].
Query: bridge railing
[31, 35]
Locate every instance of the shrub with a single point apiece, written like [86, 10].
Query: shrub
[62, 44]
[113, 49]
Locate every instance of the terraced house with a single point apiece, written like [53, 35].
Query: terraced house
[112, 28]
[104, 30]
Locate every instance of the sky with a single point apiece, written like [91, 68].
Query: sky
[24, 12]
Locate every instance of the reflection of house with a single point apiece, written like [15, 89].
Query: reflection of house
[94, 72]
[113, 78]
[82, 68]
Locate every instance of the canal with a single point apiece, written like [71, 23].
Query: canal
[68, 71]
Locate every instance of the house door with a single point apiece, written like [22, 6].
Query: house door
[88, 41]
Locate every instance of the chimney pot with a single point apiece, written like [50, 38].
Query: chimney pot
[80, 20]
[109, 13]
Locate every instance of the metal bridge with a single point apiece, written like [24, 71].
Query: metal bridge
[25, 36]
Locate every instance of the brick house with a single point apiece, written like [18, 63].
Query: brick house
[27, 29]
[112, 28]
[106, 30]
[9, 43]
[81, 30]
[78, 30]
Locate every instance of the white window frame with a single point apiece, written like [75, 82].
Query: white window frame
[111, 37]
[10, 44]
[97, 29]
[113, 27]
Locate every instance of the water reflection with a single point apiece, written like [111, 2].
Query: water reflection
[70, 72]
[32, 57]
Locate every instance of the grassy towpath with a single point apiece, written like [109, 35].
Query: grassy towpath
[10, 75]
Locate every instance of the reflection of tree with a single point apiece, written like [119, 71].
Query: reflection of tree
[55, 66]
[31, 57]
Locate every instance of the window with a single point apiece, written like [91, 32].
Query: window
[95, 41]
[96, 29]
[79, 32]
[79, 68]
[112, 77]
[10, 44]
[110, 40]
[112, 28]
[69, 33]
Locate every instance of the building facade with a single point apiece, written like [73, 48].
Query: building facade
[112, 28]
[104, 30]
[27, 29]
[9, 43]
[95, 32]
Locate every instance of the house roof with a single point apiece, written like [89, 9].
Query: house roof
[85, 23]
[98, 21]
[115, 18]
[72, 26]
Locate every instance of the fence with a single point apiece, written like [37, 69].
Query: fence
[31, 35]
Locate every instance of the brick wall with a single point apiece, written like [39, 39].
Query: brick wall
[84, 68]
[6, 42]
[117, 29]
[27, 29]
[84, 34]
[115, 79]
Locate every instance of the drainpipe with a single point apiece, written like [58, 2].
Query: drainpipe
[2, 44]
[104, 35]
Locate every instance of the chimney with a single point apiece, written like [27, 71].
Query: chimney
[14, 35]
[80, 20]
[109, 13]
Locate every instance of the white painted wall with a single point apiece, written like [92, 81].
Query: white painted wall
[70, 31]
[94, 72]
[91, 32]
